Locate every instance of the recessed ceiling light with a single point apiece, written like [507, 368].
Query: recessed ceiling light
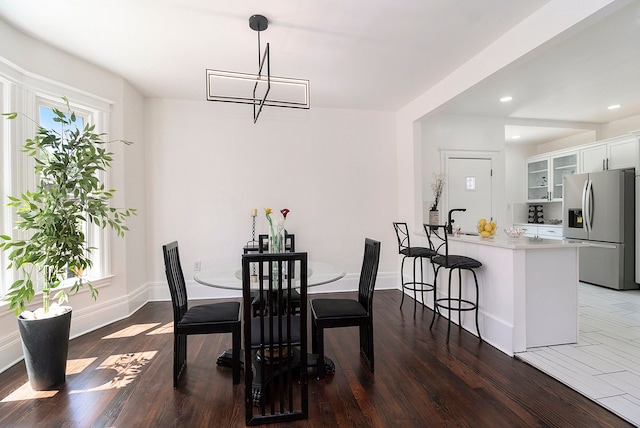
[505, 99]
[613, 107]
[515, 137]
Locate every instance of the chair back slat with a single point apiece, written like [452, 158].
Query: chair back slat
[175, 278]
[275, 340]
[438, 239]
[289, 242]
[368, 274]
[402, 233]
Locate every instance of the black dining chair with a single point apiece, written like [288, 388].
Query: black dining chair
[439, 242]
[332, 313]
[290, 246]
[418, 254]
[202, 319]
[275, 341]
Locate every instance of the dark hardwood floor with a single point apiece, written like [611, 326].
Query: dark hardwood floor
[120, 376]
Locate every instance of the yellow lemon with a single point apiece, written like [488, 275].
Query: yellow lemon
[485, 234]
[493, 232]
[493, 224]
[488, 227]
[482, 222]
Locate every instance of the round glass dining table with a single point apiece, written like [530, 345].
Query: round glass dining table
[230, 276]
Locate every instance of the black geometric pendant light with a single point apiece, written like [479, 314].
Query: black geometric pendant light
[260, 89]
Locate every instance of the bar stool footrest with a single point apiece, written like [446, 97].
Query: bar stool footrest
[413, 286]
[455, 304]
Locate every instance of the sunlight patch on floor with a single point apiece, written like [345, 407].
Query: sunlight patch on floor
[126, 366]
[131, 331]
[78, 365]
[165, 329]
[26, 393]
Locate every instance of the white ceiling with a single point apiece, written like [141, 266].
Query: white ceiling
[565, 86]
[357, 54]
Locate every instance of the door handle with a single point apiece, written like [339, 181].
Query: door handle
[589, 211]
[586, 202]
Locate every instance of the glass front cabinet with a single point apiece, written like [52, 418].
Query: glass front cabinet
[545, 173]
[538, 179]
[562, 165]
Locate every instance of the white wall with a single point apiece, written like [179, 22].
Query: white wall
[208, 165]
[567, 142]
[551, 20]
[620, 127]
[464, 134]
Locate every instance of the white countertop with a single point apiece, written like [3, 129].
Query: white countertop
[559, 226]
[521, 243]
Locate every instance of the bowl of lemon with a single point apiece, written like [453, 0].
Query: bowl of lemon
[486, 228]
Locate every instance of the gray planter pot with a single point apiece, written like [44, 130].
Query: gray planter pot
[45, 343]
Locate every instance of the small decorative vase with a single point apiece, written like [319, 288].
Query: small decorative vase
[276, 242]
[434, 217]
[276, 245]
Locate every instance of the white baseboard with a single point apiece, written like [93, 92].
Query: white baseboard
[83, 321]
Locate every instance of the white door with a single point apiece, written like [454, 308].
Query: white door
[468, 186]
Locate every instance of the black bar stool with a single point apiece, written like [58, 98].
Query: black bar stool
[437, 235]
[417, 254]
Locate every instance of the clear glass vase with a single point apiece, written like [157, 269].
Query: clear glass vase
[276, 245]
[276, 242]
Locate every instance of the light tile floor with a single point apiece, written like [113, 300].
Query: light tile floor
[605, 363]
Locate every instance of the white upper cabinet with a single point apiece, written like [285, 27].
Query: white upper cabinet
[561, 165]
[545, 172]
[593, 159]
[538, 178]
[616, 153]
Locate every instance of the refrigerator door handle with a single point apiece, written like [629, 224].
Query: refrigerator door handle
[589, 200]
[585, 213]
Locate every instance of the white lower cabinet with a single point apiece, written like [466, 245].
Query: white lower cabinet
[530, 230]
[546, 231]
[550, 231]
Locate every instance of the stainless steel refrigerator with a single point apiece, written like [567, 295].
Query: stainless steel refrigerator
[599, 207]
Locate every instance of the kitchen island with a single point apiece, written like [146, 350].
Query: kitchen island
[528, 290]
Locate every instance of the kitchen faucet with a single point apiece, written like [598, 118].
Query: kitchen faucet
[450, 221]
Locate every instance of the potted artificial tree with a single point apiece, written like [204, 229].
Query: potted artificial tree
[51, 240]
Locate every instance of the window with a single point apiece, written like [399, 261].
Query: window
[46, 115]
[46, 120]
[5, 182]
[17, 174]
